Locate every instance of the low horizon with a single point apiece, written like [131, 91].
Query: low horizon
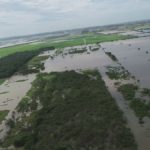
[48, 32]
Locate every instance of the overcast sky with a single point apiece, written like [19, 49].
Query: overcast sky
[22, 17]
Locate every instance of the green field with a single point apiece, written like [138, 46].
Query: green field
[20, 48]
[64, 42]
[90, 39]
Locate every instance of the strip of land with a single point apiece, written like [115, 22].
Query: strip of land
[66, 41]
[70, 110]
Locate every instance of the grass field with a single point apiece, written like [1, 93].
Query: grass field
[90, 39]
[20, 48]
[64, 42]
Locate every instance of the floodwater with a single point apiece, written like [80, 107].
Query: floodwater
[15, 91]
[130, 56]
[16, 87]
[76, 61]
[134, 55]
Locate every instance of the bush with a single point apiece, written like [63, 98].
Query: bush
[10, 123]
[128, 91]
[141, 109]
[20, 139]
[13, 63]
[113, 57]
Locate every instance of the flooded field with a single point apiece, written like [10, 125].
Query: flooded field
[76, 61]
[133, 54]
[12, 91]
[16, 88]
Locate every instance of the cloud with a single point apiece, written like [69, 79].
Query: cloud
[47, 5]
[3, 23]
[31, 16]
[57, 5]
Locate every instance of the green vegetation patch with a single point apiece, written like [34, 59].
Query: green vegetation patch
[140, 108]
[2, 81]
[117, 73]
[12, 63]
[21, 80]
[77, 113]
[113, 57]
[36, 62]
[4, 92]
[146, 92]
[91, 38]
[77, 51]
[128, 91]
[15, 62]
[3, 114]
[23, 106]
[34, 65]
[24, 48]
[63, 42]
[95, 48]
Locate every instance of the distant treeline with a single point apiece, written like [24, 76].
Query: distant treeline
[12, 63]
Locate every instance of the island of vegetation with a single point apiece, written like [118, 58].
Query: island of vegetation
[3, 114]
[138, 104]
[66, 41]
[117, 72]
[113, 57]
[69, 111]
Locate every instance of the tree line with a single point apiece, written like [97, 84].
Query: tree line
[12, 63]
